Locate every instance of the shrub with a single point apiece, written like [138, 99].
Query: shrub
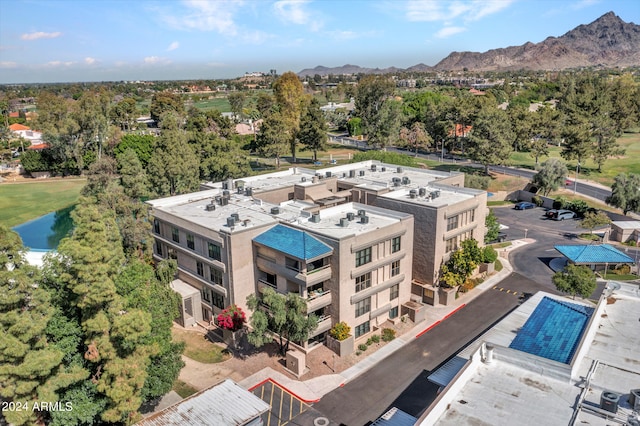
[477, 182]
[489, 254]
[232, 318]
[559, 203]
[622, 270]
[369, 341]
[340, 331]
[537, 200]
[388, 334]
[375, 338]
[362, 347]
[580, 207]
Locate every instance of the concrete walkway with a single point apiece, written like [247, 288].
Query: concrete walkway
[313, 389]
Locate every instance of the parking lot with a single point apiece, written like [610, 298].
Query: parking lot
[284, 405]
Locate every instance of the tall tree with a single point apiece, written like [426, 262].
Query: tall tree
[271, 141]
[123, 114]
[625, 192]
[313, 129]
[523, 130]
[415, 137]
[371, 105]
[546, 129]
[264, 103]
[491, 139]
[220, 158]
[286, 316]
[575, 280]
[290, 100]
[164, 102]
[236, 101]
[551, 176]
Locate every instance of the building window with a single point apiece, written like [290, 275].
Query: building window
[268, 278]
[206, 294]
[452, 223]
[156, 226]
[214, 251]
[393, 313]
[175, 235]
[395, 290]
[363, 281]
[361, 329]
[190, 242]
[172, 254]
[158, 248]
[395, 245]
[363, 306]
[218, 300]
[395, 268]
[200, 269]
[472, 215]
[363, 256]
[215, 275]
[451, 244]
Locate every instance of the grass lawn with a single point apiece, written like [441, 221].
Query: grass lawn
[27, 200]
[621, 277]
[183, 389]
[221, 104]
[199, 348]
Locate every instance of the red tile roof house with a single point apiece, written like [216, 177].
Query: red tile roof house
[23, 131]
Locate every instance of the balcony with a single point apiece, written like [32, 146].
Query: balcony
[315, 276]
[289, 272]
[324, 324]
[318, 299]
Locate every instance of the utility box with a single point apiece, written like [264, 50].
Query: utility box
[296, 362]
[634, 399]
[609, 401]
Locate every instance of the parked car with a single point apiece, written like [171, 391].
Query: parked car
[524, 205]
[560, 214]
[501, 238]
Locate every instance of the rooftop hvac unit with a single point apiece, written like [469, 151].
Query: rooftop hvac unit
[328, 174]
[231, 222]
[344, 222]
[413, 193]
[248, 191]
[235, 216]
[634, 399]
[397, 183]
[383, 169]
[218, 198]
[361, 172]
[225, 185]
[226, 193]
[400, 170]
[361, 212]
[240, 190]
[435, 194]
[210, 207]
[224, 201]
[406, 180]
[315, 218]
[352, 173]
[422, 192]
[351, 215]
[275, 210]
[314, 179]
[373, 167]
[364, 219]
[303, 179]
[609, 401]
[396, 179]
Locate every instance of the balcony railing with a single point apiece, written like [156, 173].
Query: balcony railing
[318, 300]
[324, 324]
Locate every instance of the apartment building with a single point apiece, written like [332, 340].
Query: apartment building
[357, 241]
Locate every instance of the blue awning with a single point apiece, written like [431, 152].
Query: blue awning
[293, 242]
[590, 254]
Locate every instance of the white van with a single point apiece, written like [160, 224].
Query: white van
[560, 214]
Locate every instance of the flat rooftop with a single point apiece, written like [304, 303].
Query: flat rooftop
[433, 195]
[525, 389]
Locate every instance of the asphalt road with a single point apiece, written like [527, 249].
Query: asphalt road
[400, 380]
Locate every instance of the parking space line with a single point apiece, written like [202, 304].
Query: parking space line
[281, 399]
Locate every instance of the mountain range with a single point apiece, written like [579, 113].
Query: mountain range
[607, 42]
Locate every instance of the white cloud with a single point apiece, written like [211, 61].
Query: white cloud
[154, 60]
[173, 46]
[38, 35]
[8, 64]
[207, 15]
[58, 64]
[294, 12]
[90, 60]
[449, 31]
[436, 10]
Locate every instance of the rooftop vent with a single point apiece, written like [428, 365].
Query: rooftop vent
[634, 399]
[373, 167]
[397, 183]
[210, 207]
[239, 190]
[248, 191]
[344, 222]
[218, 198]
[413, 193]
[328, 174]
[226, 193]
[361, 212]
[406, 180]
[351, 215]
[364, 219]
[396, 179]
[383, 169]
[235, 216]
[422, 192]
[435, 194]
[361, 173]
[225, 185]
[400, 170]
[303, 179]
[231, 222]
[315, 218]
[352, 173]
[314, 179]
[609, 401]
[224, 201]
[275, 210]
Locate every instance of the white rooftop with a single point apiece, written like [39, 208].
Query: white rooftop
[627, 224]
[524, 389]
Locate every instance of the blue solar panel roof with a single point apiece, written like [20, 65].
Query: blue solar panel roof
[553, 330]
[602, 253]
[293, 242]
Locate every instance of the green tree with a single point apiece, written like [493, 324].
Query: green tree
[523, 127]
[493, 227]
[575, 280]
[220, 158]
[271, 141]
[415, 137]
[142, 145]
[491, 139]
[380, 120]
[236, 101]
[546, 129]
[133, 177]
[593, 220]
[551, 176]
[283, 315]
[174, 166]
[164, 102]
[625, 192]
[264, 103]
[313, 129]
[290, 101]
[123, 114]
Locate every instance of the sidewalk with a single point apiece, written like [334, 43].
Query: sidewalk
[313, 389]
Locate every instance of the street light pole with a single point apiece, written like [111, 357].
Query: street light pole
[525, 233]
[575, 184]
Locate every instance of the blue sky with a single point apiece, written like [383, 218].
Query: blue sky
[107, 40]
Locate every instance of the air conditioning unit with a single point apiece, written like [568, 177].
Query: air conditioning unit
[315, 218]
[361, 173]
[344, 222]
[373, 167]
[422, 192]
[364, 219]
[634, 399]
[275, 210]
[609, 401]
[413, 193]
[350, 215]
[210, 207]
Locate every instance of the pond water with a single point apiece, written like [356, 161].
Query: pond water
[45, 232]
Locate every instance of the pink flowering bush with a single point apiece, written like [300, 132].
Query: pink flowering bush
[232, 318]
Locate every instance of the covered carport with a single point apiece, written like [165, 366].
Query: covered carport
[595, 256]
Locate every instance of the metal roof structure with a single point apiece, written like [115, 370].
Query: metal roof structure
[293, 242]
[395, 417]
[591, 254]
[224, 404]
